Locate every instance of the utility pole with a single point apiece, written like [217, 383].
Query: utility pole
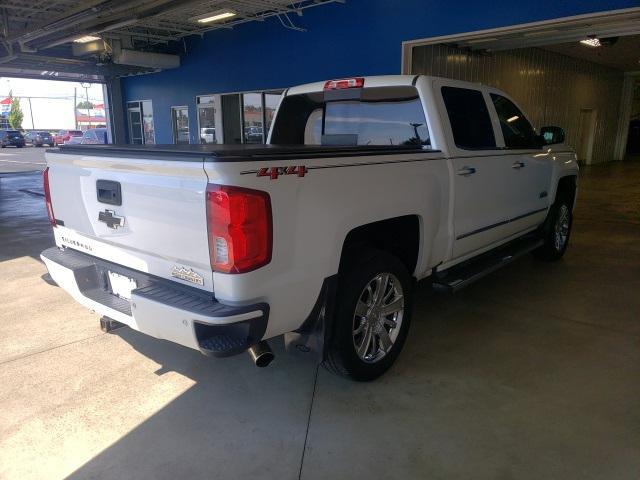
[33, 125]
[75, 102]
[86, 91]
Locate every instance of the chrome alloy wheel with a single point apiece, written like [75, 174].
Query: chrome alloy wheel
[561, 228]
[378, 317]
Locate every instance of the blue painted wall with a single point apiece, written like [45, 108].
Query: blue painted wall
[360, 37]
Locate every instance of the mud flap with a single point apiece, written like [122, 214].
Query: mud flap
[310, 339]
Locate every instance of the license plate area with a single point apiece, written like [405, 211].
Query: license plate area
[121, 285]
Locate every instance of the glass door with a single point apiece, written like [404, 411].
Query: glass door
[135, 124]
[147, 122]
[207, 119]
[180, 124]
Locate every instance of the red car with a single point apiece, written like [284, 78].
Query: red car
[64, 135]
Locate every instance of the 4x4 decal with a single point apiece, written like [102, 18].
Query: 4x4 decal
[275, 172]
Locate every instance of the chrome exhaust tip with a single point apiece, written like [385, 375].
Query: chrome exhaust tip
[261, 354]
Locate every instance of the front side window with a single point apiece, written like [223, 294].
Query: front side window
[379, 116]
[516, 129]
[469, 118]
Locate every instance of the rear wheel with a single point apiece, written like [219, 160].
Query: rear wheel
[556, 231]
[372, 317]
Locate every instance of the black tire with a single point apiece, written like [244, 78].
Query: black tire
[341, 354]
[553, 248]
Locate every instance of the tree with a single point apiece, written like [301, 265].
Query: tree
[85, 104]
[15, 114]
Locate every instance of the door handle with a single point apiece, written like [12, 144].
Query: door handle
[466, 171]
[518, 165]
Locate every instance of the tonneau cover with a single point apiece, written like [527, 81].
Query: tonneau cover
[235, 153]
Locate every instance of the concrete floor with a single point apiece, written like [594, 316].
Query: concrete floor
[14, 160]
[532, 373]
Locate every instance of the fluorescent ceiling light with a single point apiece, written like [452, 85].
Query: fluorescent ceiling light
[482, 40]
[86, 39]
[591, 42]
[513, 119]
[215, 16]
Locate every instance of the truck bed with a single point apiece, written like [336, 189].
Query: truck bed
[235, 153]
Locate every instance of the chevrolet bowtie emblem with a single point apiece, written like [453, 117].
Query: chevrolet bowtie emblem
[111, 219]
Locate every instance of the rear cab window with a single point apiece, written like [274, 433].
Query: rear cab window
[358, 117]
[469, 118]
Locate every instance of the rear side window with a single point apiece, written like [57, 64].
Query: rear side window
[516, 129]
[469, 118]
[374, 116]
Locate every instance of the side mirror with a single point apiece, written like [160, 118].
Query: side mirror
[551, 135]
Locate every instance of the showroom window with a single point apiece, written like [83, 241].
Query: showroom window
[236, 117]
[252, 118]
[271, 101]
[516, 129]
[469, 118]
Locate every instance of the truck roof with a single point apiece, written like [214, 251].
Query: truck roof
[373, 81]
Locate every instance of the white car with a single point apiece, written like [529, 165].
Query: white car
[208, 135]
[366, 185]
[74, 140]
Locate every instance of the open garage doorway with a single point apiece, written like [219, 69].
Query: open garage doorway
[576, 72]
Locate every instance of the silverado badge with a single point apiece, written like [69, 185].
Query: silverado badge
[187, 274]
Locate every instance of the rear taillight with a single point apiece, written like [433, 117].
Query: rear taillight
[357, 82]
[47, 196]
[239, 226]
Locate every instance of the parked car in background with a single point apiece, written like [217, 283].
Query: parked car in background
[39, 138]
[63, 136]
[253, 135]
[208, 135]
[11, 138]
[95, 136]
[74, 140]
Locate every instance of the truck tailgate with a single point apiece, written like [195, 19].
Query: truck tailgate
[149, 214]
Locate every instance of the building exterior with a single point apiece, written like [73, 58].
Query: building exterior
[228, 84]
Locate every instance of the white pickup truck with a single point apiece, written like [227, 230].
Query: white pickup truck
[366, 185]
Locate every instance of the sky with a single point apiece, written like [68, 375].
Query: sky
[51, 100]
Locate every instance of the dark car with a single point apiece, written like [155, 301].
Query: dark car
[11, 138]
[39, 138]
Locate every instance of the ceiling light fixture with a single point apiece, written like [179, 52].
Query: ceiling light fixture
[215, 16]
[591, 42]
[86, 39]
